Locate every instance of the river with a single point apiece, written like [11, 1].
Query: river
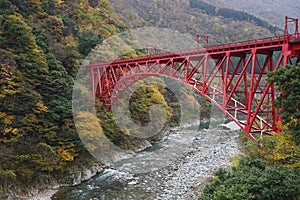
[177, 167]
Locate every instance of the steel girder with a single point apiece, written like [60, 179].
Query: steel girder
[232, 77]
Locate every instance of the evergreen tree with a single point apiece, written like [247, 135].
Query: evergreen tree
[287, 80]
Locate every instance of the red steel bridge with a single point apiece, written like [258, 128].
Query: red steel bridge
[231, 76]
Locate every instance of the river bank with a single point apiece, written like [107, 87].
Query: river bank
[48, 185]
[84, 169]
[177, 167]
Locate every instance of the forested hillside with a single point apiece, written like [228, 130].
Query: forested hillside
[42, 44]
[188, 17]
[234, 15]
[273, 11]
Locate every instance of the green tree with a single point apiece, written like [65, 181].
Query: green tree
[88, 41]
[253, 180]
[287, 80]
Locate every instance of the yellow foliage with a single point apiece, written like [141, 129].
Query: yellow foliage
[64, 154]
[90, 10]
[235, 160]
[7, 119]
[2, 114]
[70, 41]
[81, 5]
[292, 123]
[59, 2]
[7, 174]
[90, 130]
[7, 130]
[40, 107]
[278, 149]
[15, 131]
[37, 51]
[89, 26]
[51, 158]
[284, 150]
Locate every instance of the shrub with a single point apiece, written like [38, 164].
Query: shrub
[253, 179]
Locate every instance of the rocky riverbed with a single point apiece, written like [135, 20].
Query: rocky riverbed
[177, 167]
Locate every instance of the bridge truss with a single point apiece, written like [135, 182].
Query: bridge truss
[231, 76]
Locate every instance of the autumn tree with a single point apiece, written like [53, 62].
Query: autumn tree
[287, 81]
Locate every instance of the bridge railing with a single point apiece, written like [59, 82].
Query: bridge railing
[277, 40]
[256, 42]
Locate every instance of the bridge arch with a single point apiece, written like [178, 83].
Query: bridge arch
[231, 76]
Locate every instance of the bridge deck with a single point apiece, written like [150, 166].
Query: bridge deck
[272, 43]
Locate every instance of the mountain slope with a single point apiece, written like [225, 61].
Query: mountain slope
[272, 11]
[41, 46]
[181, 16]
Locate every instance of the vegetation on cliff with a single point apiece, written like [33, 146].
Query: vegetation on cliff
[42, 44]
[271, 172]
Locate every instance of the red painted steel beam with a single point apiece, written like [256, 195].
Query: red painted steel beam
[231, 76]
